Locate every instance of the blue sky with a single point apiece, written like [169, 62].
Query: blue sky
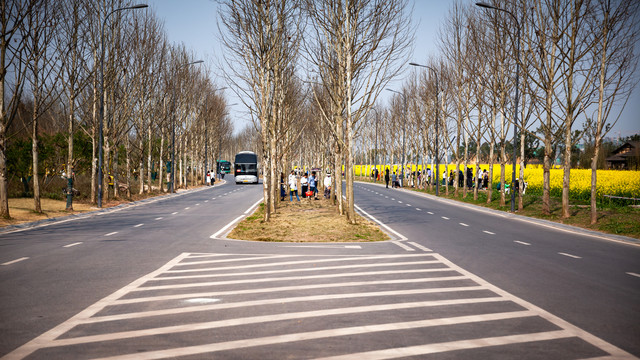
[194, 23]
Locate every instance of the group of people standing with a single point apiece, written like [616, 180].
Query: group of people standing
[308, 185]
[211, 177]
[397, 178]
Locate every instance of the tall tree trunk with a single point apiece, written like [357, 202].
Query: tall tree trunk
[34, 153]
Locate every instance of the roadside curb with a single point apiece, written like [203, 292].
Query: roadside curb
[541, 222]
[61, 219]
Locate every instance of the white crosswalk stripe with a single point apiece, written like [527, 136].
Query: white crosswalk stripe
[303, 306]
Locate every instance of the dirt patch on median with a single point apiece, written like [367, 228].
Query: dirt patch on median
[306, 221]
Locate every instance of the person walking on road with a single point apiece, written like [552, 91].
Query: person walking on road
[386, 177]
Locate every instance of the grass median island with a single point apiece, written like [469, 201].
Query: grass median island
[306, 221]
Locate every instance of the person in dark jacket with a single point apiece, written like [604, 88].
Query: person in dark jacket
[386, 177]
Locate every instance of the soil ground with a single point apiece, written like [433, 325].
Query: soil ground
[306, 221]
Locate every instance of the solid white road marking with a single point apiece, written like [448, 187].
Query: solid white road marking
[408, 248]
[15, 261]
[111, 233]
[323, 246]
[488, 232]
[74, 244]
[633, 274]
[569, 255]
[138, 225]
[402, 237]
[301, 315]
[420, 246]
[463, 224]
[306, 299]
[574, 330]
[454, 345]
[226, 227]
[254, 205]
[158, 218]
[522, 242]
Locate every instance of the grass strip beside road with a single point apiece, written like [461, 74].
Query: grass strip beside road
[306, 221]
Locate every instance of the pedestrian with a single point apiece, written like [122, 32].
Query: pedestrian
[386, 177]
[313, 184]
[394, 180]
[485, 180]
[283, 193]
[444, 177]
[400, 178]
[293, 186]
[469, 178]
[327, 186]
[429, 174]
[304, 184]
[208, 178]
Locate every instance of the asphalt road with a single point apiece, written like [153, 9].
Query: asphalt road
[160, 280]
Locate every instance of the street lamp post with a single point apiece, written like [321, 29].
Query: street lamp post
[436, 175]
[101, 126]
[515, 121]
[173, 131]
[404, 125]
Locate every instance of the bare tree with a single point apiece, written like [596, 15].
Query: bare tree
[43, 71]
[615, 24]
[356, 51]
[13, 15]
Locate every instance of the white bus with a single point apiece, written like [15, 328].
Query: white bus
[246, 167]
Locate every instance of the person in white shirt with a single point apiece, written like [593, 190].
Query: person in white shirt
[304, 185]
[293, 186]
[327, 186]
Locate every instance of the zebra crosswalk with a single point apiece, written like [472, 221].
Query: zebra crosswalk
[278, 306]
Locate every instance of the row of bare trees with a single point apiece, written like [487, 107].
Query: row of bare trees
[50, 57]
[348, 50]
[577, 66]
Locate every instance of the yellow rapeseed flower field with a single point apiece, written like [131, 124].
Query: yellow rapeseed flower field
[610, 182]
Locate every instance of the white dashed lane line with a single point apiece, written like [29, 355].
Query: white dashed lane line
[74, 244]
[522, 243]
[111, 233]
[488, 232]
[173, 213]
[463, 224]
[444, 217]
[158, 218]
[569, 255]
[418, 209]
[633, 274]
[429, 212]
[187, 208]
[138, 225]
[14, 261]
